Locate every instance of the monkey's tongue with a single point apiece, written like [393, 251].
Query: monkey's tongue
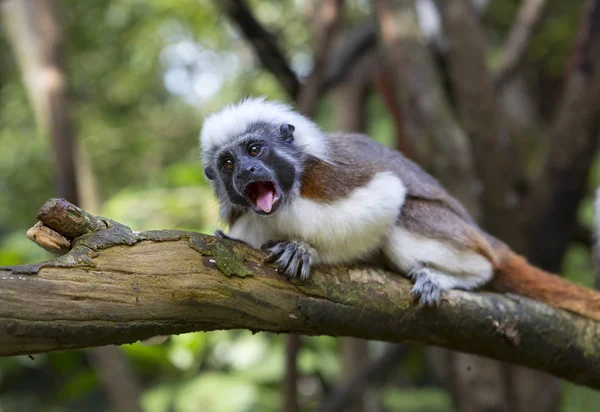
[265, 196]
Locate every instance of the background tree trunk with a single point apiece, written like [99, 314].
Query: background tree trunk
[36, 36]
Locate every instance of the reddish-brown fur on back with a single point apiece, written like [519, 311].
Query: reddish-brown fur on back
[516, 275]
[326, 182]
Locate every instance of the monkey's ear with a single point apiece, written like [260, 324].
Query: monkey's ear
[287, 132]
[210, 173]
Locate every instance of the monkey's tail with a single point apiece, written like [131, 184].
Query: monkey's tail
[515, 275]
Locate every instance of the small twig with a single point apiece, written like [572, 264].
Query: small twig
[338, 65]
[263, 42]
[117, 377]
[518, 39]
[48, 239]
[293, 343]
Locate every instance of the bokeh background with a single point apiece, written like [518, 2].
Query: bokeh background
[102, 102]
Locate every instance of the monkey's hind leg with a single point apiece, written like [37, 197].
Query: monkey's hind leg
[294, 258]
[428, 287]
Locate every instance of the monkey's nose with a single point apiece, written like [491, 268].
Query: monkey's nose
[246, 171]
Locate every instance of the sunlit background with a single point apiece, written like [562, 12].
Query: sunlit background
[142, 74]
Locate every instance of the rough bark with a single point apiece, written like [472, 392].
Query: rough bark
[117, 287]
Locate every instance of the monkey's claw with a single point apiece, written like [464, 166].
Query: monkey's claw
[294, 259]
[427, 288]
[220, 235]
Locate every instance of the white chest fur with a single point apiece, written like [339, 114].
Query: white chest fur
[340, 231]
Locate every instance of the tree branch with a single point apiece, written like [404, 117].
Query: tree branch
[117, 287]
[118, 378]
[359, 41]
[264, 44]
[355, 45]
[518, 40]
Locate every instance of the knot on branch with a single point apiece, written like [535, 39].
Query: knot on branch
[61, 222]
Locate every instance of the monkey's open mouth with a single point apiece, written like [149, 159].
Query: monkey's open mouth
[262, 195]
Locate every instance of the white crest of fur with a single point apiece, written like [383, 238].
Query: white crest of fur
[220, 127]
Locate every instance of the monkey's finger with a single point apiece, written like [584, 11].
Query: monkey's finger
[305, 272]
[273, 252]
[284, 265]
[287, 255]
[293, 268]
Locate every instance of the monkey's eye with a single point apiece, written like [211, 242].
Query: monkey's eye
[228, 164]
[254, 150]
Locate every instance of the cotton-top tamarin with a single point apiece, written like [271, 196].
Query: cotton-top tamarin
[310, 198]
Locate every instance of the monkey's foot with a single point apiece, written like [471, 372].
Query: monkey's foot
[293, 258]
[427, 288]
[220, 235]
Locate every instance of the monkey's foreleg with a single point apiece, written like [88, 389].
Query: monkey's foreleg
[294, 258]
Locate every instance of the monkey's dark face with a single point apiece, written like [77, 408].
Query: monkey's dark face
[259, 169]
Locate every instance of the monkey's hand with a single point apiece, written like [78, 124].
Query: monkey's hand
[427, 288]
[220, 235]
[293, 258]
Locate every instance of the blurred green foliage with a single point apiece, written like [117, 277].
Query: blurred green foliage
[142, 76]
